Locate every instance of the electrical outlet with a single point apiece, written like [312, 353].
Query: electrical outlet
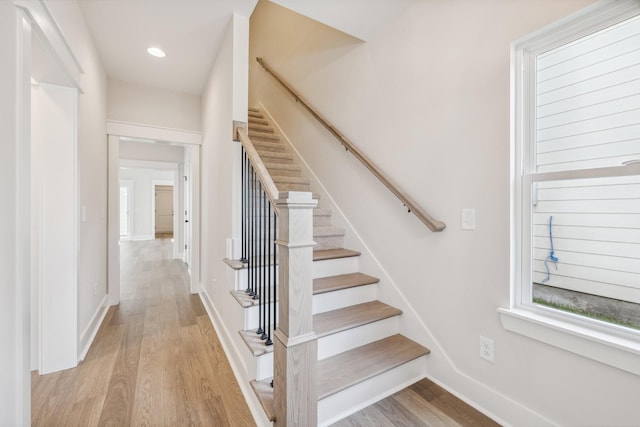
[486, 348]
[95, 289]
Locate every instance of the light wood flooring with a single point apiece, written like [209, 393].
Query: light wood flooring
[423, 404]
[156, 360]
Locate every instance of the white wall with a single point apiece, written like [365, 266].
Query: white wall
[92, 169]
[10, 366]
[223, 101]
[142, 209]
[427, 99]
[135, 103]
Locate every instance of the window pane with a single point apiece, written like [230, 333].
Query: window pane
[594, 227]
[124, 211]
[588, 101]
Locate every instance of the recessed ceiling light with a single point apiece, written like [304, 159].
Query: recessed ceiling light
[157, 52]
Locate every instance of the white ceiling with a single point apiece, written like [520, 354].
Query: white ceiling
[358, 18]
[189, 31]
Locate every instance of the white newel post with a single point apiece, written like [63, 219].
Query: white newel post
[295, 345]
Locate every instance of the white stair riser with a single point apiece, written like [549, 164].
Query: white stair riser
[252, 317]
[241, 279]
[333, 267]
[264, 366]
[344, 298]
[337, 343]
[359, 396]
[322, 302]
[351, 338]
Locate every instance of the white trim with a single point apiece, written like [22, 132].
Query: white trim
[612, 345]
[90, 332]
[183, 137]
[227, 345]
[113, 220]
[52, 39]
[22, 344]
[610, 349]
[153, 133]
[148, 164]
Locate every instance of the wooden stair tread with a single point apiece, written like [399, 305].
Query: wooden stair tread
[346, 369]
[328, 231]
[342, 319]
[261, 136]
[283, 166]
[290, 179]
[256, 344]
[244, 299]
[257, 127]
[333, 254]
[276, 155]
[264, 391]
[269, 146]
[258, 121]
[254, 109]
[343, 281]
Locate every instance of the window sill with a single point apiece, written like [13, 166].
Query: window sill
[607, 348]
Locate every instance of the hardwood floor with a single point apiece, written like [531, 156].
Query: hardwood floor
[423, 404]
[156, 360]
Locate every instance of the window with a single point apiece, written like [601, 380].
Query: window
[576, 181]
[125, 206]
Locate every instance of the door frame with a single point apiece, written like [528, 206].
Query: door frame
[32, 18]
[191, 141]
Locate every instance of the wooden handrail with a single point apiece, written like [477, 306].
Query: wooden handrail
[259, 168]
[408, 202]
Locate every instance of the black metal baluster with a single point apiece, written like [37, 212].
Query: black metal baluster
[250, 233]
[275, 268]
[242, 205]
[270, 283]
[263, 204]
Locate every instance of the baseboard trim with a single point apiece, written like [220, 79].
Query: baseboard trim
[223, 334]
[89, 334]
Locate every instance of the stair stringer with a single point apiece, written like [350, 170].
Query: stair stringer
[439, 367]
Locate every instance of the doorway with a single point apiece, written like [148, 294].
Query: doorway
[186, 198]
[164, 211]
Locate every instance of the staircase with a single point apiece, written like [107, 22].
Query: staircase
[361, 355]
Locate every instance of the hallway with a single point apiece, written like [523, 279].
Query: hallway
[156, 360]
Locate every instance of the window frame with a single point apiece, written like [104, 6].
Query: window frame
[607, 343]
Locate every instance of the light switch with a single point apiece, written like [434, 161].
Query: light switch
[83, 213]
[468, 219]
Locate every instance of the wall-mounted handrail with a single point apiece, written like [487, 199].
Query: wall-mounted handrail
[408, 202]
[258, 165]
